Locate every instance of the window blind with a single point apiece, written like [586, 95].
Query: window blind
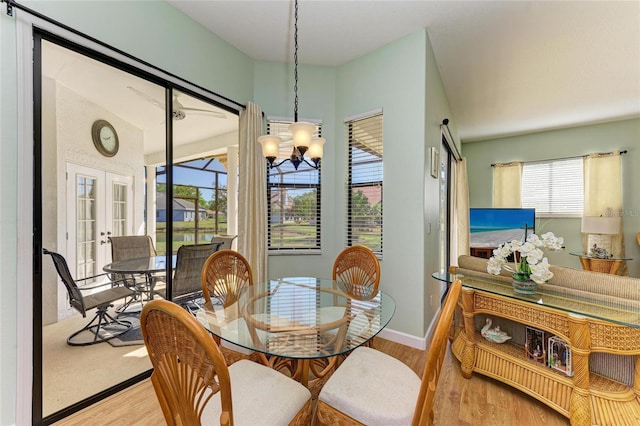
[364, 182]
[554, 188]
[293, 198]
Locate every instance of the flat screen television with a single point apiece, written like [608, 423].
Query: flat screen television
[492, 227]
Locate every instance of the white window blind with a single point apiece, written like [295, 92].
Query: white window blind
[554, 188]
[293, 198]
[365, 178]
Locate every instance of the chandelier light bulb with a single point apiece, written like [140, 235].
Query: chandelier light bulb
[301, 132]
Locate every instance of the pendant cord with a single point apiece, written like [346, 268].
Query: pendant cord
[295, 61]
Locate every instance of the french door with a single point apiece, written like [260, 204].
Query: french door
[99, 205]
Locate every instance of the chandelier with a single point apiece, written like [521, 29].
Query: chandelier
[301, 131]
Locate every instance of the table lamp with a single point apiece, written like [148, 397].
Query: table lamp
[599, 230]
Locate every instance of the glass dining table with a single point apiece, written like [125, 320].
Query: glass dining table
[300, 324]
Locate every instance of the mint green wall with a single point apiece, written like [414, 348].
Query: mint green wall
[576, 141]
[158, 33]
[392, 78]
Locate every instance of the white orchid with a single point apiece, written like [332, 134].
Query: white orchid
[529, 260]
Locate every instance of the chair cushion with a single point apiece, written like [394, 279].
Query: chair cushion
[260, 396]
[373, 388]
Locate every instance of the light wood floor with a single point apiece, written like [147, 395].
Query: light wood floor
[477, 401]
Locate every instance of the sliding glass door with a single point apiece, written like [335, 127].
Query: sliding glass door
[105, 132]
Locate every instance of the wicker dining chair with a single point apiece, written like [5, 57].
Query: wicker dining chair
[358, 266]
[224, 274]
[373, 388]
[194, 385]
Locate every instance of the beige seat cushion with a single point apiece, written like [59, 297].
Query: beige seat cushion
[260, 396]
[373, 388]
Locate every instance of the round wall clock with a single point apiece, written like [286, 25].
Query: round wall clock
[105, 138]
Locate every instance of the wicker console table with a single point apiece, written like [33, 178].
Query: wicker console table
[588, 325]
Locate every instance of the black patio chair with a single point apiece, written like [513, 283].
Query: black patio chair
[103, 326]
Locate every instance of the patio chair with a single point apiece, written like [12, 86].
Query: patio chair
[352, 395]
[226, 240]
[133, 247]
[190, 261]
[194, 384]
[103, 326]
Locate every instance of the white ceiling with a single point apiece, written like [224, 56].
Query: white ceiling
[508, 67]
[136, 101]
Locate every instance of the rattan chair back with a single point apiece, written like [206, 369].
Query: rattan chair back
[188, 367]
[435, 357]
[190, 260]
[224, 274]
[359, 269]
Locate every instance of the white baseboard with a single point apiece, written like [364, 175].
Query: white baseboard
[403, 338]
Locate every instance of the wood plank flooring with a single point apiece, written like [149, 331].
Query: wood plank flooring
[477, 401]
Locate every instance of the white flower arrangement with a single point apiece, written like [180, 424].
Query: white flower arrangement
[529, 260]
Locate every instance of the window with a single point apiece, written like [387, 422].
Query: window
[293, 199]
[364, 191]
[554, 188]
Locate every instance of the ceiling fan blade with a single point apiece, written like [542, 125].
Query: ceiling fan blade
[216, 114]
[146, 97]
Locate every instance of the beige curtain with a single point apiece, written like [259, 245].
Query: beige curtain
[460, 220]
[506, 185]
[603, 193]
[252, 193]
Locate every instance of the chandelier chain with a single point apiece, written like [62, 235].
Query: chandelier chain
[295, 61]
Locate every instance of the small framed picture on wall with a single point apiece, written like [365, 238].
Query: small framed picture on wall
[435, 162]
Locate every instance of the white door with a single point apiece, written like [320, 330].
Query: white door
[99, 205]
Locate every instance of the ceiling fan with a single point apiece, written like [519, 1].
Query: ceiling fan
[179, 111]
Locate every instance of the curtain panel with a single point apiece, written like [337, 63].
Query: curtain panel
[252, 193]
[506, 185]
[603, 195]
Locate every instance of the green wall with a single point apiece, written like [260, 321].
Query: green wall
[401, 78]
[575, 141]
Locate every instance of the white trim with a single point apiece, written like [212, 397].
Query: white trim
[24, 315]
[403, 338]
[363, 115]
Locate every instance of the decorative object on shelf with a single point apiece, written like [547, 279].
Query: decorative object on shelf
[560, 355]
[494, 335]
[536, 345]
[599, 230]
[599, 252]
[301, 131]
[105, 138]
[529, 267]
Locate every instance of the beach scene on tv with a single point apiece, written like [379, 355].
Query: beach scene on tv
[492, 227]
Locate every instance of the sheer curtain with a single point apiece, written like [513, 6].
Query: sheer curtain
[603, 194]
[461, 212]
[252, 193]
[506, 185]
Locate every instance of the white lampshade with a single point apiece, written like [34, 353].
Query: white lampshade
[270, 145]
[315, 149]
[301, 132]
[601, 224]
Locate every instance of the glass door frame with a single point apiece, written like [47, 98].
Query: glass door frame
[118, 59]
